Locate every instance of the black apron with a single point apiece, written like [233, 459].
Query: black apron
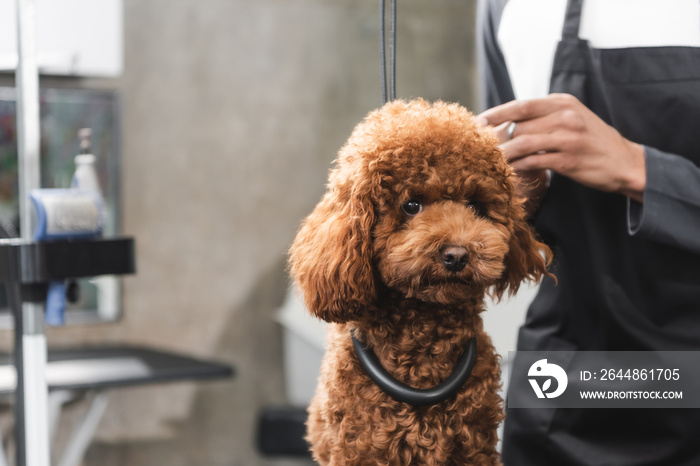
[616, 292]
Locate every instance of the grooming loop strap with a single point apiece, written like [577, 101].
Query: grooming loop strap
[390, 93]
[416, 396]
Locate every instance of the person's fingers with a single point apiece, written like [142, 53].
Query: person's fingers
[567, 120]
[519, 110]
[546, 124]
[516, 110]
[529, 144]
[554, 161]
[502, 131]
[511, 129]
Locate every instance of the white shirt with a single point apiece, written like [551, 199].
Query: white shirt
[530, 30]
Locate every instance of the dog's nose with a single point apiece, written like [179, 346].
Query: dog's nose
[454, 258]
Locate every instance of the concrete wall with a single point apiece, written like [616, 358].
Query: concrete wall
[233, 111]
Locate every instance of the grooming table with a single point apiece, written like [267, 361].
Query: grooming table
[89, 372]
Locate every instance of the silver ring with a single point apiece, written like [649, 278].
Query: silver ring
[511, 130]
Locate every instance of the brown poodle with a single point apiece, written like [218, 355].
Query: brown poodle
[419, 222]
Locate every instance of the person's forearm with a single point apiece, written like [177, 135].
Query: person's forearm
[670, 213]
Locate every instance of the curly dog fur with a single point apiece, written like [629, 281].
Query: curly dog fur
[414, 180]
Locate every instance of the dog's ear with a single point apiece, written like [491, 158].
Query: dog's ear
[527, 258]
[331, 257]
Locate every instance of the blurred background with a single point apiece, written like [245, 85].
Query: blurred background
[227, 115]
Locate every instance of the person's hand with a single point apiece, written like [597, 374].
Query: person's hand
[559, 133]
[532, 184]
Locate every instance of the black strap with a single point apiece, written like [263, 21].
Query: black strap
[389, 94]
[415, 396]
[572, 20]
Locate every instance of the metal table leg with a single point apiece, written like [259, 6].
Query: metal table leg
[30, 342]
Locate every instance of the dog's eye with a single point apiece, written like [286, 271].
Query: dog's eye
[477, 208]
[412, 207]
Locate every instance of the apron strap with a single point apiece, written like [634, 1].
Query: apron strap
[572, 20]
